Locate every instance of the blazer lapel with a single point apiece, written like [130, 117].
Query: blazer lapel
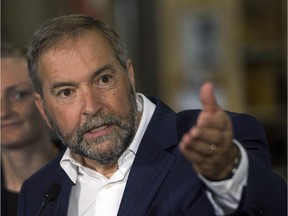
[66, 186]
[151, 164]
[145, 177]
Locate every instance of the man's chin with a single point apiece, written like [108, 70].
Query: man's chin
[94, 148]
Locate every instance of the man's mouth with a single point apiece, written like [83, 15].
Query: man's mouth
[98, 131]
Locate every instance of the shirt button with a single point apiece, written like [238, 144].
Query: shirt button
[107, 186]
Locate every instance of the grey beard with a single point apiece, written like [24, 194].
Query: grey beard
[119, 139]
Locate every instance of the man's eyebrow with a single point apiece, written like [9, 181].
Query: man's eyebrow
[95, 74]
[60, 84]
[103, 68]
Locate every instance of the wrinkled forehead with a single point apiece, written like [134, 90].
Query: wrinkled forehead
[89, 52]
[88, 44]
[66, 41]
[91, 42]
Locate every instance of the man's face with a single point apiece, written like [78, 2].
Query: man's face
[88, 98]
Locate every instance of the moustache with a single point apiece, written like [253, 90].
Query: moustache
[92, 123]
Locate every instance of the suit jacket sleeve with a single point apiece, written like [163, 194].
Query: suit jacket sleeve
[266, 192]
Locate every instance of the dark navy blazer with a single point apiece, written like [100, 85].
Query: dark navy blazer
[162, 182]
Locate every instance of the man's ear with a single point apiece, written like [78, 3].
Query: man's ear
[130, 72]
[39, 103]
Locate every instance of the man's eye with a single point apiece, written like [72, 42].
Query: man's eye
[64, 92]
[105, 79]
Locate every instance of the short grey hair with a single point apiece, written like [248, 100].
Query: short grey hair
[54, 32]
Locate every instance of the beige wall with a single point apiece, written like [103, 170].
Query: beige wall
[227, 73]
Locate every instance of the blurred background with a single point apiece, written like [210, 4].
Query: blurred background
[176, 45]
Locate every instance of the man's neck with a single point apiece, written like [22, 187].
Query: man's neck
[106, 170]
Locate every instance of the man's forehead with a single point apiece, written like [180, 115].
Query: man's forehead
[73, 55]
[71, 45]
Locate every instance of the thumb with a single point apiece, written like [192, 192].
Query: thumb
[208, 98]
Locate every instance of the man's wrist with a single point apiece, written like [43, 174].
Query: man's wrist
[232, 166]
[236, 162]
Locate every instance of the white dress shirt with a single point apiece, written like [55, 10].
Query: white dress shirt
[95, 194]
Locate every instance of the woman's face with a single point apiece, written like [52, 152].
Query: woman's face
[21, 122]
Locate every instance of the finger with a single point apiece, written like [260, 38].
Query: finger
[211, 135]
[204, 134]
[190, 145]
[204, 150]
[217, 121]
[208, 98]
[201, 160]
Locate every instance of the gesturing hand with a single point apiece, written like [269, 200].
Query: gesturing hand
[208, 145]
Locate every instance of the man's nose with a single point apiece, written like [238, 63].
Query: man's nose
[92, 101]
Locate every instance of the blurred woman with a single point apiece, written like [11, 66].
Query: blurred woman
[26, 142]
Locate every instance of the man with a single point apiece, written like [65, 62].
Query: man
[26, 144]
[130, 155]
